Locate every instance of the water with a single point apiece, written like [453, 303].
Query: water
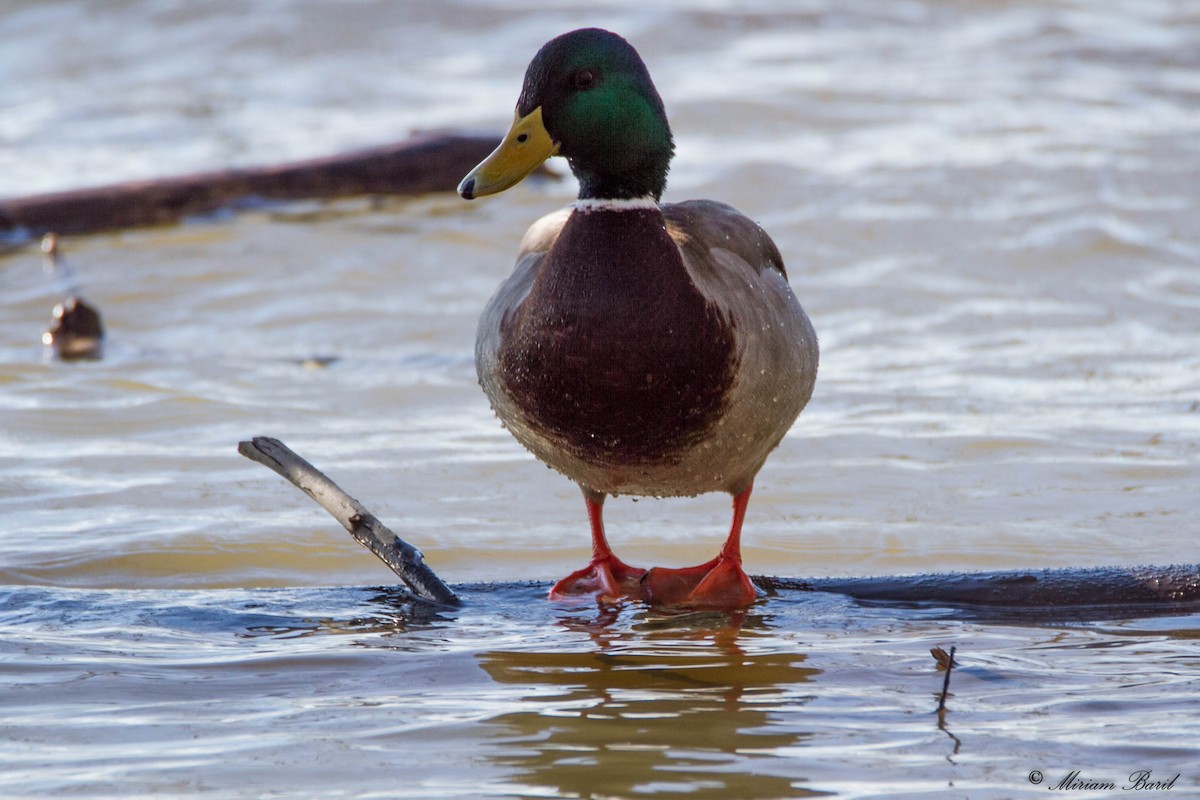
[349, 693]
[988, 211]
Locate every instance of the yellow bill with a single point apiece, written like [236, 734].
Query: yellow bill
[524, 148]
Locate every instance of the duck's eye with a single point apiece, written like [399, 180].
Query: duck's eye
[584, 79]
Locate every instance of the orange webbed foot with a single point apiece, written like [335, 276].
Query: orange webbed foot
[717, 584]
[607, 579]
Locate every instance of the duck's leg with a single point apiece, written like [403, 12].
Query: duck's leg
[606, 577]
[720, 583]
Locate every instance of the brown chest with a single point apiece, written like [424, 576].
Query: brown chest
[614, 356]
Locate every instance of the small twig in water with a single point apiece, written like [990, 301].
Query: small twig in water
[403, 559]
[945, 662]
[77, 333]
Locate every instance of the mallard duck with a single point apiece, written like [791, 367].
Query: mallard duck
[638, 348]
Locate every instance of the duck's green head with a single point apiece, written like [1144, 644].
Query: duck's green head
[587, 96]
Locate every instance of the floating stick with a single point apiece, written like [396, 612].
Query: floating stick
[404, 559]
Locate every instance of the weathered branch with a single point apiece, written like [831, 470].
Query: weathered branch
[404, 559]
[431, 162]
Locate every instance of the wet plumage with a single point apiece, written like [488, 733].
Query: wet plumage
[638, 348]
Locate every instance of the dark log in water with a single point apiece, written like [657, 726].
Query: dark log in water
[1124, 589]
[1056, 593]
[431, 162]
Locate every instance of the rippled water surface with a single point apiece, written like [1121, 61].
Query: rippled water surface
[989, 211]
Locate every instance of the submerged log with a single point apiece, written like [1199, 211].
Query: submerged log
[1127, 590]
[431, 162]
[1052, 593]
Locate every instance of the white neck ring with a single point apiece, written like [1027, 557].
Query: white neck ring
[612, 204]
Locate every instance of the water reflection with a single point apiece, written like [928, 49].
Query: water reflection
[393, 610]
[680, 705]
